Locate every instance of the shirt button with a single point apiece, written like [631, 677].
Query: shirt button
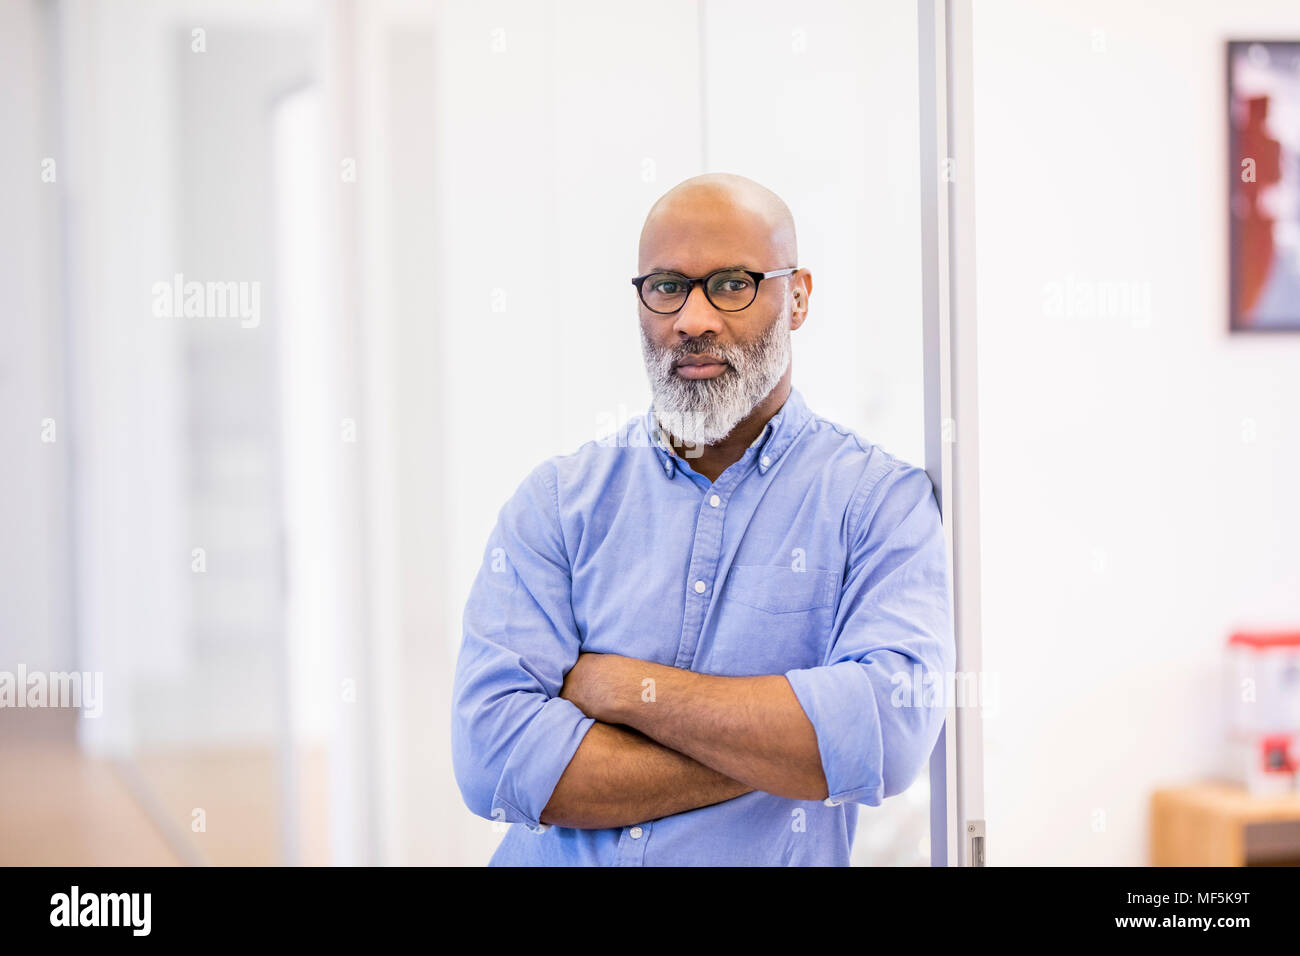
[831, 802]
[699, 587]
[715, 501]
[634, 833]
[766, 461]
[668, 466]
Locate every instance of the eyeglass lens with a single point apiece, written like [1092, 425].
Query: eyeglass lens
[729, 291]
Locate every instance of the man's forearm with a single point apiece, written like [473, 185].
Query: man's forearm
[751, 729]
[618, 777]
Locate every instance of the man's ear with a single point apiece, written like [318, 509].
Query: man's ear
[802, 289]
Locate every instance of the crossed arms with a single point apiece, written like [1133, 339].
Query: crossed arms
[543, 733]
[667, 740]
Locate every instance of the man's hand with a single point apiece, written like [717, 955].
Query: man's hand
[620, 776]
[593, 681]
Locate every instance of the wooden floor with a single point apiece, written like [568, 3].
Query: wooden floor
[237, 790]
[59, 807]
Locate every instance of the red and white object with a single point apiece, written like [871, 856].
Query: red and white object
[1264, 764]
[1264, 710]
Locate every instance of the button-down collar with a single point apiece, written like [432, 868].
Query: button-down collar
[776, 436]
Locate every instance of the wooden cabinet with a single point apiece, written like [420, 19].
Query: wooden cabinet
[1220, 824]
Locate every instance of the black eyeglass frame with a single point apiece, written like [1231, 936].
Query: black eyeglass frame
[758, 278]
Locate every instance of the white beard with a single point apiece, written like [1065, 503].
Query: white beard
[704, 411]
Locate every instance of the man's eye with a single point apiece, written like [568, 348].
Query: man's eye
[667, 287]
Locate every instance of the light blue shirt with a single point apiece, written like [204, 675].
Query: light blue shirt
[817, 555]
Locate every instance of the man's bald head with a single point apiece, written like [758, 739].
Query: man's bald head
[717, 220]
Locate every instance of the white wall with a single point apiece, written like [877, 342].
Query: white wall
[1128, 523]
[35, 590]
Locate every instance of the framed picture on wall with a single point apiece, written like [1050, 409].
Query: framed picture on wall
[1264, 185]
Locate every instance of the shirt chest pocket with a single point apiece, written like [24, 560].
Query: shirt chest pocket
[772, 618]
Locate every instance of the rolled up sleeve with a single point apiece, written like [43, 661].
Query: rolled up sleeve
[512, 737]
[877, 702]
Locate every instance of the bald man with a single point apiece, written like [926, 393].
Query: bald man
[709, 638]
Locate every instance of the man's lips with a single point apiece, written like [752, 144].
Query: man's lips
[700, 366]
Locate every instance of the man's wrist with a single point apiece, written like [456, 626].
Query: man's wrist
[634, 688]
[616, 686]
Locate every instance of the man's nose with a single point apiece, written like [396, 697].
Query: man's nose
[697, 314]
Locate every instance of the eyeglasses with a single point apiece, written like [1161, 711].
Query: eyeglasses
[729, 290]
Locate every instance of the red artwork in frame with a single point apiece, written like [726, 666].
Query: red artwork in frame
[1264, 190]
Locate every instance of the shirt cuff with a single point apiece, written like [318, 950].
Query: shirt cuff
[840, 701]
[537, 762]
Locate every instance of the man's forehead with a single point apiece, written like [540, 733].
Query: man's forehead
[705, 243]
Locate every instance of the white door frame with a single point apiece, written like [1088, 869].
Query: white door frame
[944, 33]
